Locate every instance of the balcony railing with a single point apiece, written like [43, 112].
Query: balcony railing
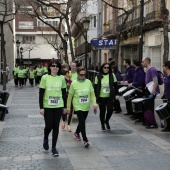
[155, 15]
[151, 17]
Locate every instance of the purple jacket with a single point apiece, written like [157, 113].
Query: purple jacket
[130, 72]
[118, 76]
[150, 73]
[167, 87]
[139, 78]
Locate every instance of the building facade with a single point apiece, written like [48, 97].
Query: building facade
[37, 38]
[152, 32]
[88, 9]
[7, 36]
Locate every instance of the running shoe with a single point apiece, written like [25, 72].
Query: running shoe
[107, 125]
[45, 144]
[54, 152]
[86, 144]
[77, 136]
[63, 125]
[103, 128]
[68, 128]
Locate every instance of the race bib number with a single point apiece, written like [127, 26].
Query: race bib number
[53, 100]
[106, 90]
[83, 99]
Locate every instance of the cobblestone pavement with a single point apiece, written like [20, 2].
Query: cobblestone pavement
[126, 146]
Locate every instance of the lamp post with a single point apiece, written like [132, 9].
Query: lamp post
[17, 44]
[21, 51]
[141, 30]
[86, 23]
[66, 39]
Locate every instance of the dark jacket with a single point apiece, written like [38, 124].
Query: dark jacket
[118, 76]
[130, 72]
[112, 85]
[139, 78]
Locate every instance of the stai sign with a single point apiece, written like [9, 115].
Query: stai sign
[104, 44]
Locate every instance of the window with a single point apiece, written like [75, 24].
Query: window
[26, 25]
[51, 22]
[25, 9]
[83, 6]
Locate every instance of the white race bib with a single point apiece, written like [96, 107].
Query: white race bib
[53, 100]
[106, 90]
[83, 99]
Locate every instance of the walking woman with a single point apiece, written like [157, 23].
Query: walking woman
[21, 76]
[106, 90]
[65, 73]
[31, 75]
[81, 90]
[52, 100]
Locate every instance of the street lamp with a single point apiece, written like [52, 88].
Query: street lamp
[18, 44]
[86, 23]
[66, 39]
[21, 51]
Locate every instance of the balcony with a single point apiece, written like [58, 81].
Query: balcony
[153, 19]
[109, 28]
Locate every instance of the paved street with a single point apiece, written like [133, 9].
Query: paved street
[126, 146]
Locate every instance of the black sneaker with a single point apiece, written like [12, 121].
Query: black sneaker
[45, 144]
[107, 125]
[86, 144]
[54, 152]
[103, 128]
[118, 111]
[152, 127]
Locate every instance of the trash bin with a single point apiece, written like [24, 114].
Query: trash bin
[3, 108]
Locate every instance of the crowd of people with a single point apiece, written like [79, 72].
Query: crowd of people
[65, 91]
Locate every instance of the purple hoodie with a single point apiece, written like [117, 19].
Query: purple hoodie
[130, 72]
[139, 78]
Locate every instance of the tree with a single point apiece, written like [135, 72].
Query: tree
[165, 23]
[7, 14]
[119, 34]
[63, 9]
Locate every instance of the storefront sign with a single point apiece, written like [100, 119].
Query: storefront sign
[104, 44]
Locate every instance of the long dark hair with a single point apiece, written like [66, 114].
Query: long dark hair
[57, 63]
[101, 68]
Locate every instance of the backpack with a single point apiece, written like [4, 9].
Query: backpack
[160, 78]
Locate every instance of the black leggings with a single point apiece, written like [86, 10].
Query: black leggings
[38, 79]
[21, 81]
[52, 118]
[16, 80]
[81, 127]
[105, 103]
[32, 81]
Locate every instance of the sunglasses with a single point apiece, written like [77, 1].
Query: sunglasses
[106, 67]
[54, 66]
[82, 74]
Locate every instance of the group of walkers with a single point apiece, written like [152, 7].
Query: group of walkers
[22, 73]
[63, 93]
